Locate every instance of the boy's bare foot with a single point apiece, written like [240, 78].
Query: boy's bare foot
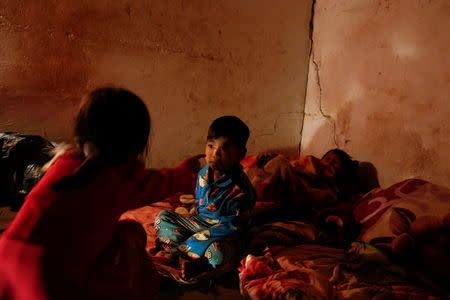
[191, 268]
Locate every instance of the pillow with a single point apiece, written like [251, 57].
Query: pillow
[405, 218]
[410, 221]
[388, 213]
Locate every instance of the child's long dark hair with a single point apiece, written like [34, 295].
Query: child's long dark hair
[117, 123]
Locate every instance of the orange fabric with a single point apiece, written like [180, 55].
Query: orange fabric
[302, 181]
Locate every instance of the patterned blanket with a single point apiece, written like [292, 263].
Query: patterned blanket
[302, 260]
[300, 183]
[319, 272]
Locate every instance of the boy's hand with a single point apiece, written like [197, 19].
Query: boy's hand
[193, 162]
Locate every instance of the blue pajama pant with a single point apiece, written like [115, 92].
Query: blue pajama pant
[173, 229]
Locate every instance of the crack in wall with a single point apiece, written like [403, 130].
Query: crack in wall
[329, 118]
[311, 40]
[303, 123]
[312, 59]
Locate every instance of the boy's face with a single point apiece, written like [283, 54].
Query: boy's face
[222, 153]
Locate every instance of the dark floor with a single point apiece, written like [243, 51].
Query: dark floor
[226, 288]
[6, 216]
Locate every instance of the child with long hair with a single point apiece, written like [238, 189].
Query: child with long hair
[56, 244]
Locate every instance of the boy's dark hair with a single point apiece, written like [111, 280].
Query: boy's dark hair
[229, 126]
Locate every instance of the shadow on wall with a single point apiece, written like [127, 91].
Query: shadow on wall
[368, 176]
[380, 71]
[339, 134]
[289, 152]
[385, 138]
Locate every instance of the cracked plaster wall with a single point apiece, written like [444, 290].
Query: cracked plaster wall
[191, 61]
[379, 86]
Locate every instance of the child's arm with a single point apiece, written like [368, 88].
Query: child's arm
[234, 222]
[238, 217]
[157, 185]
[234, 219]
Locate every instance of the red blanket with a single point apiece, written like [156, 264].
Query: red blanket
[318, 272]
[303, 182]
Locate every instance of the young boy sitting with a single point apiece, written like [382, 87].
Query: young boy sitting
[224, 199]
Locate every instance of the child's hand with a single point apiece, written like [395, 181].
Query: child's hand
[193, 162]
[334, 222]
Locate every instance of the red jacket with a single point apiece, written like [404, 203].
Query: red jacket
[59, 235]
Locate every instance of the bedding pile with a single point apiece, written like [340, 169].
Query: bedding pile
[319, 272]
[303, 182]
[307, 241]
[400, 237]
[296, 256]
